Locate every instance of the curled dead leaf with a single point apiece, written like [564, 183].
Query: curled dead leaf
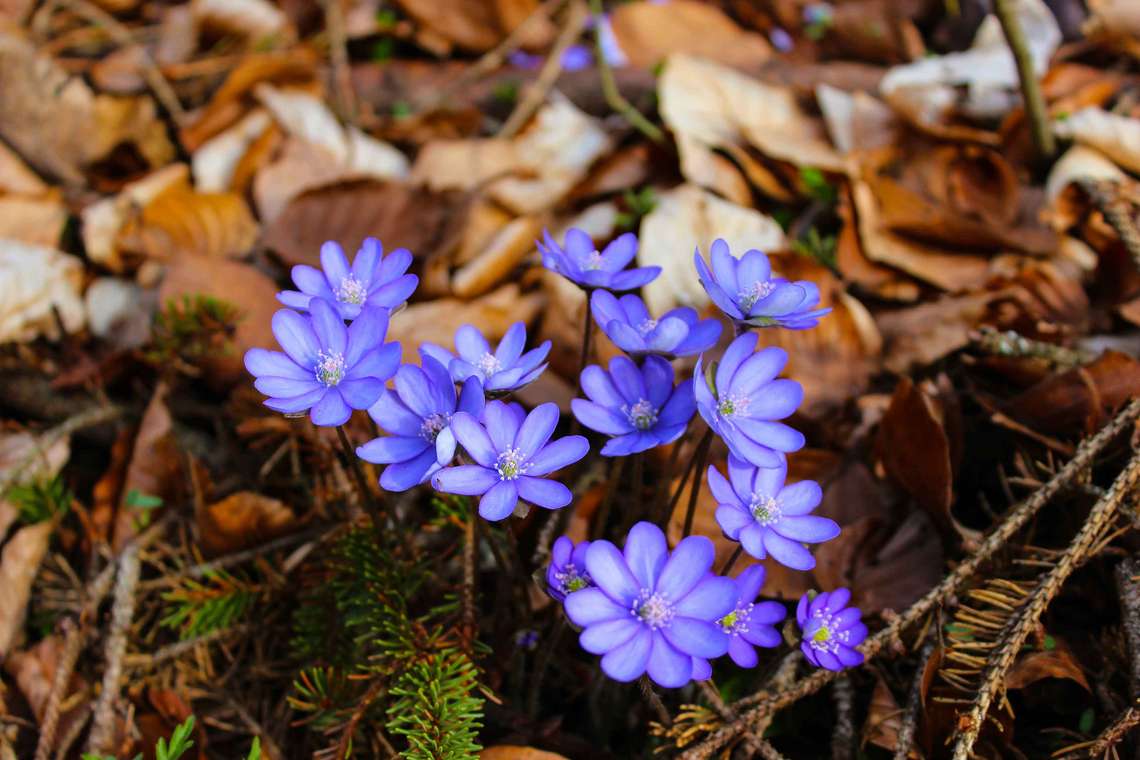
[180, 222]
[19, 564]
[1080, 399]
[36, 220]
[475, 25]
[104, 219]
[1035, 666]
[242, 520]
[1114, 135]
[36, 284]
[503, 254]
[647, 33]
[33, 670]
[884, 718]
[153, 470]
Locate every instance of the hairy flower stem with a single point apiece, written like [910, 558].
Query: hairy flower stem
[700, 459]
[732, 560]
[654, 701]
[470, 626]
[587, 339]
[617, 469]
[546, 654]
[370, 506]
[676, 497]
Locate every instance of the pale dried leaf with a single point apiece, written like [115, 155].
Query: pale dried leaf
[1079, 162]
[856, 120]
[19, 563]
[252, 19]
[214, 163]
[684, 219]
[1113, 18]
[14, 12]
[34, 220]
[716, 107]
[647, 33]
[506, 250]
[16, 177]
[34, 280]
[476, 25]
[103, 219]
[24, 459]
[919, 335]
[180, 222]
[926, 92]
[1114, 135]
[119, 311]
[153, 468]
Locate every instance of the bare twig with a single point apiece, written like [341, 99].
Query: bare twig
[179, 648]
[700, 459]
[843, 736]
[122, 611]
[72, 640]
[756, 744]
[536, 93]
[1043, 138]
[470, 555]
[1106, 196]
[89, 418]
[1106, 740]
[913, 706]
[614, 98]
[338, 56]
[1024, 621]
[654, 701]
[1128, 589]
[768, 703]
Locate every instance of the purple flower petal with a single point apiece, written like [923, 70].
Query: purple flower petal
[732, 520]
[702, 670]
[502, 425]
[474, 439]
[711, 599]
[788, 553]
[774, 435]
[328, 326]
[753, 267]
[760, 369]
[695, 637]
[668, 334]
[634, 278]
[620, 252]
[645, 552]
[285, 387]
[415, 390]
[311, 281]
[392, 294]
[296, 404]
[600, 388]
[762, 635]
[688, 563]
[607, 567]
[380, 363]
[657, 376]
[628, 661]
[848, 657]
[499, 501]
[561, 453]
[511, 346]
[294, 299]
[740, 349]
[724, 266]
[471, 344]
[624, 445]
[591, 606]
[600, 418]
[778, 399]
[667, 666]
[627, 379]
[752, 539]
[800, 498]
[367, 258]
[296, 336]
[809, 529]
[264, 363]
[334, 262]
[548, 494]
[749, 582]
[609, 635]
[391, 415]
[331, 410]
[742, 653]
[536, 429]
[386, 450]
[467, 479]
[401, 476]
[361, 394]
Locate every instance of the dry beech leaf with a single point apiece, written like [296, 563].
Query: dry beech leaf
[16, 177]
[478, 25]
[33, 670]
[884, 718]
[684, 219]
[503, 254]
[398, 214]
[1057, 662]
[436, 321]
[251, 291]
[242, 520]
[647, 33]
[918, 335]
[915, 450]
[709, 107]
[835, 360]
[153, 469]
[103, 219]
[1081, 399]
[254, 20]
[980, 82]
[550, 157]
[34, 220]
[59, 125]
[514, 752]
[13, 12]
[856, 120]
[874, 31]
[19, 563]
[179, 222]
[1064, 205]
[37, 282]
[1116, 136]
[215, 161]
[1114, 19]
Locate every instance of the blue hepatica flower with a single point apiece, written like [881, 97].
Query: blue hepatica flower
[653, 611]
[746, 291]
[373, 279]
[417, 414]
[831, 630]
[627, 323]
[510, 459]
[502, 369]
[751, 624]
[326, 368]
[755, 508]
[566, 573]
[580, 261]
[747, 400]
[640, 408]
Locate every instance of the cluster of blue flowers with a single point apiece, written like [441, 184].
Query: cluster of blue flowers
[449, 421]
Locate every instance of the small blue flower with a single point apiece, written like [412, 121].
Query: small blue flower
[580, 262]
[566, 573]
[747, 400]
[510, 459]
[627, 323]
[640, 408]
[746, 291]
[326, 369]
[418, 415]
[755, 508]
[502, 369]
[751, 623]
[831, 630]
[373, 280]
[653, 611]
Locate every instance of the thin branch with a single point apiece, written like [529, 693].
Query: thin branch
[470, 555]
[913, 706]
[1025, 620]
[536, 93]
[1106, 196]
[338, 56]
[768, 703]
[614, 98]
[1128, 589]
[754, 743]
[72, 641]
[122, 611]
[85, 419]
[843, 735]
[1043, 138]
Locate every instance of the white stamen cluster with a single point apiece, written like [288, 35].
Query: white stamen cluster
[432, 425]
[511, 465]
[488, 365]
[733, 404]
[647, 327]
[642, 415]
[351, 290]
[653, 609]
[765, 509]
[594, 261]
[330, 368]
[750, 295]
[736, 622]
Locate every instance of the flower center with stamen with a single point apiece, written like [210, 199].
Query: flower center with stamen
[594, 261]
[511, 465]
[736, 622]
[330, 368]
[749, 296]
[641, 415]
[732, 404]
[821, 634]
[653, 609]
[647, 327]
[488, 365]
[432, 425]
[571, 580]
[765, 509]
[351, 290]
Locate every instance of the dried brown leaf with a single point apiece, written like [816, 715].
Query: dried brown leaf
[180, 222]
[1032, 667]
[35, 220]
[104, 219]
[513, 752]
[154, 467]
[1081, 399]
[242, 520]
[915, 450]
[19, 563]
[36, 283]
[648, 33]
